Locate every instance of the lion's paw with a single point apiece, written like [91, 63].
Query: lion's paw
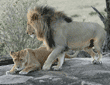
[9, 73]
[96, 62]
[56, 68]
[99, 62]
[46, 67]
[22, 72]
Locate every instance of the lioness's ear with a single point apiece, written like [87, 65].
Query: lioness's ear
[11, 52]
[34, 17]
[25, 51]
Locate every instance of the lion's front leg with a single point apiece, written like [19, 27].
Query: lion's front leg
[54, 54]
[60, 62]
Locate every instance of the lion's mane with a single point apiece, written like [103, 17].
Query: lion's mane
[46, 16]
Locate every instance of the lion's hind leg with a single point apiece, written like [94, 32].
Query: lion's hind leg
[60, 62]
[98, 50]
[96, 44]
[92, 53]
[74, 55]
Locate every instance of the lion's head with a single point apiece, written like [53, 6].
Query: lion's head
[42, 19]
[19, 59]
[30, 31]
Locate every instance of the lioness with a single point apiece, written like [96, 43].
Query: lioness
[57, 33]
[28, 60]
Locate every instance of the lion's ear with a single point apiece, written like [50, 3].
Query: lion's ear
[11, 52]
[34, 17]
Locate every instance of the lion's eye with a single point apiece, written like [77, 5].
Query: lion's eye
[21, 60]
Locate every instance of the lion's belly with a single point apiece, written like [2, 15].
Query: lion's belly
[78, 45]
[80, 40]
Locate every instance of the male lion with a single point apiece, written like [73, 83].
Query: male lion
[60, 33]
[28, 60]
[30, 31]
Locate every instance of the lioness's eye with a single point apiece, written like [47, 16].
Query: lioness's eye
[15, 59]
[27, 23]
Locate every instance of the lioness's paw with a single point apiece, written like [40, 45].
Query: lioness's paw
[9, 73]
[96, 62]
[22, 72]
[56, 68]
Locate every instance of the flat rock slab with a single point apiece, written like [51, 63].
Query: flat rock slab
[76, 71]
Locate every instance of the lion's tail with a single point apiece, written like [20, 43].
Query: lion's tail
[69, 56]
[103, 19]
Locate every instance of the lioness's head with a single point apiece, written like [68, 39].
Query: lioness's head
[19, 59]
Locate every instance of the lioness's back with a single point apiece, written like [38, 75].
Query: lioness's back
[41, 54]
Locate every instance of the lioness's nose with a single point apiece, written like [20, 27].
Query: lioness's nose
[32, 32]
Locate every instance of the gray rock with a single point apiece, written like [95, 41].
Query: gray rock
[76, 71]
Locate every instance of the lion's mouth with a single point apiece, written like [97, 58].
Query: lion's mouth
[32, 36]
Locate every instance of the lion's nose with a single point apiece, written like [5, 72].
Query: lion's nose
[18, 67]
[27, 32]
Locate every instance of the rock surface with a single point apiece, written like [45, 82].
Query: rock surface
[76, 71]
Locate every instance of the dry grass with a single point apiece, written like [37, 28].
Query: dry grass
[13, 27]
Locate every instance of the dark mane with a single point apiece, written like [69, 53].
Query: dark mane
[49, 14]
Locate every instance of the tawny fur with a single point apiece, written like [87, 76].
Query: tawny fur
[59, 34]
[28, 60]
